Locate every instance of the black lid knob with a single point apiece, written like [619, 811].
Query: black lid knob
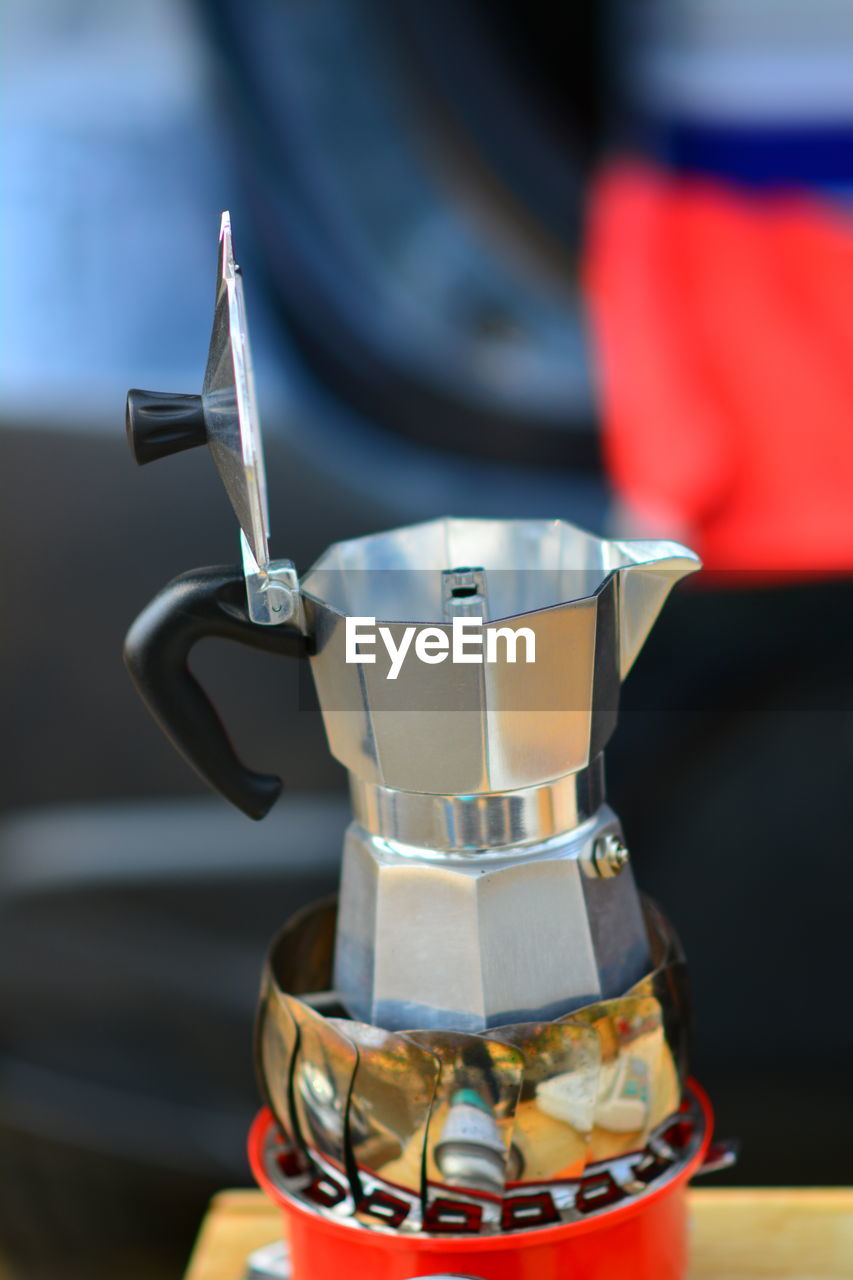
[160, 423]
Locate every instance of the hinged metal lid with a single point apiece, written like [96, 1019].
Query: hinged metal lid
[225, 417]
[230, 405]
[234, 436]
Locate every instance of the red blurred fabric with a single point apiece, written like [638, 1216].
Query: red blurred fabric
[724, 325]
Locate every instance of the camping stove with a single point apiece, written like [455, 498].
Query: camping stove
[474, 1060]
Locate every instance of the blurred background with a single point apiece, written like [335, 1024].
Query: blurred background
[499, 260]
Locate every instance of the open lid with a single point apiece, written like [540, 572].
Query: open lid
[230, 406]
[225, 417]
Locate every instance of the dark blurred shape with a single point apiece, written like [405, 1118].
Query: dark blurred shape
[730, 773]
[128, 988]
[418, 217]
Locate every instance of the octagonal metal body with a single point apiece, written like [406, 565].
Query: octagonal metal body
[482, 940]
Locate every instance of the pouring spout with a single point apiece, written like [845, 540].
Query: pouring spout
[647, 573]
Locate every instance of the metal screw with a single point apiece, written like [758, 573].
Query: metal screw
[608, 856]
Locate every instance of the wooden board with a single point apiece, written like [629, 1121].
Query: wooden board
[737, 1235]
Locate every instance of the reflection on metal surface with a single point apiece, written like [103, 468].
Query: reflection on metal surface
[392, 1095]
[436, 1130]
[300, 956]
[670, 986]
[669, 983]
[277, 1042]
[638, 1086]
[554, 1116]
[470, 1153]
[323, 1072]
[469, 1138]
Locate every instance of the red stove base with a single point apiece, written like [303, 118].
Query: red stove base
[642, 1239]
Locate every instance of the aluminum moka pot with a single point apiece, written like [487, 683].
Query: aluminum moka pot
[468, 673]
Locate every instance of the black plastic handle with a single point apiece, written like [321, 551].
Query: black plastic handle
[203, 602]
